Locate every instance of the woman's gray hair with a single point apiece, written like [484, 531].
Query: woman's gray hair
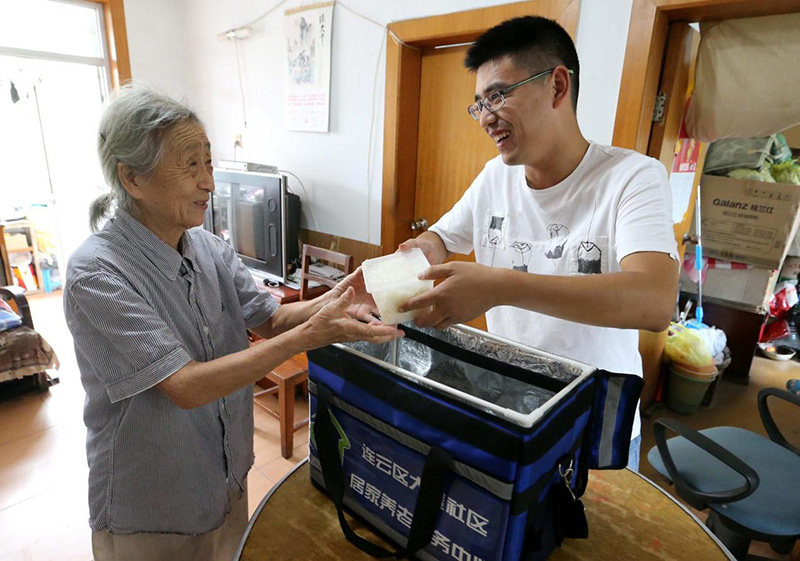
[132, 132]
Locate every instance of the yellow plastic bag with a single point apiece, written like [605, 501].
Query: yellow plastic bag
[686, 347]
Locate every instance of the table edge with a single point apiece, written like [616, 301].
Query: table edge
[238, 555]
[687, 511]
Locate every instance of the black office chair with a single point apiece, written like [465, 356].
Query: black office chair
[750, 483]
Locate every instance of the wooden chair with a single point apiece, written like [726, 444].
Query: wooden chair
[286, 378]
[309, 251]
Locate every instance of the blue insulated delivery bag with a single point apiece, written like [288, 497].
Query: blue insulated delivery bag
[462, 445]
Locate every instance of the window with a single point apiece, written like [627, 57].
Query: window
[66, 28]
[55, 75]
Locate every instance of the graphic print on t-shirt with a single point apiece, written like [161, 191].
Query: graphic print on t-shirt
[522, 255]
[559, 234]
[494, 232]
[590, 258]
[589, 253]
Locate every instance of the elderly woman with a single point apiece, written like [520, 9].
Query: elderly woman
[159, 311]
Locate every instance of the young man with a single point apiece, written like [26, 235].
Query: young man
[573, 240]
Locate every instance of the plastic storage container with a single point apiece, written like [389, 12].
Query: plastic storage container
[392, 281]
[687, 389]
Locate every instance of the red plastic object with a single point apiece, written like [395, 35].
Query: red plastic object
[778, 306]
[778, 329]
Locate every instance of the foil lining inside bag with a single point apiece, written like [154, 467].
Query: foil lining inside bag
[503, 391]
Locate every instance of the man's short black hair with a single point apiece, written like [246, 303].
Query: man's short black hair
[532, 42]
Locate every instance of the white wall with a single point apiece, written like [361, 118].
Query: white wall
[176, 44]
[156, 45]
[601, 40]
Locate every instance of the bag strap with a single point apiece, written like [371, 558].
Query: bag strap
[429, 497]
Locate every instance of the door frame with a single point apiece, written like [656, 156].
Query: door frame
[647, 39]
[404, 44]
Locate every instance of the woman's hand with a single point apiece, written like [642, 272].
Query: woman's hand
[363, 307]
[334, 323]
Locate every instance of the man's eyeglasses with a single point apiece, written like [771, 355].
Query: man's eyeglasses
[496, 100]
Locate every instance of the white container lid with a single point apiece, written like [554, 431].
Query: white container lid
[397, 269]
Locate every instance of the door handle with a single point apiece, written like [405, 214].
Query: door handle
[419, 225]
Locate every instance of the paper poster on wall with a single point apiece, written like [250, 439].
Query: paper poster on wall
[681, 180]
[308, 67]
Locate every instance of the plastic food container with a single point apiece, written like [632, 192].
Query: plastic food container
[392, 281]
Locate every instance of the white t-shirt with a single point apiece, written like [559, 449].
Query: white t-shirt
[615, 203]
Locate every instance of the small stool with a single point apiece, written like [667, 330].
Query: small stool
[286, 377]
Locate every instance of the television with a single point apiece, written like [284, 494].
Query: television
[255, 213]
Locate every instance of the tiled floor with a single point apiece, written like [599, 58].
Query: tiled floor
[43, 471]
[43, 510]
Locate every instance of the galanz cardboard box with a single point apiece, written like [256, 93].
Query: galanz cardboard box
[748, 221]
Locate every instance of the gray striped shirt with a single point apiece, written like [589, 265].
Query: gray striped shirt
[139, 311]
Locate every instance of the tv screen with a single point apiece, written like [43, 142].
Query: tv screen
[250, 219]
[254, 213]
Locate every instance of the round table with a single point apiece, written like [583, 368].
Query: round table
[629, 516]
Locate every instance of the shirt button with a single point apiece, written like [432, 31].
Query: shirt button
[206, 329]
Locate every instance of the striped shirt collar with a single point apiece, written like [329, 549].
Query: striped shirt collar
[165, 258]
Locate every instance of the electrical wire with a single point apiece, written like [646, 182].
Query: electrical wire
[259, 18]
[400, 41]
[372, 112]
[362, 16]
[369, 147]
[381, 50]
[241, 86]
[303, 187]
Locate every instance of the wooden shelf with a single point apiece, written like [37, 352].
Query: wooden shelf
[30, 231]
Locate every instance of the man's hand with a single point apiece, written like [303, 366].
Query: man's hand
[430, 244]
[466, 292]
[334, 324]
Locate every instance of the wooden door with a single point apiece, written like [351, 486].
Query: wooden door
[677, 78]
[452, 148]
